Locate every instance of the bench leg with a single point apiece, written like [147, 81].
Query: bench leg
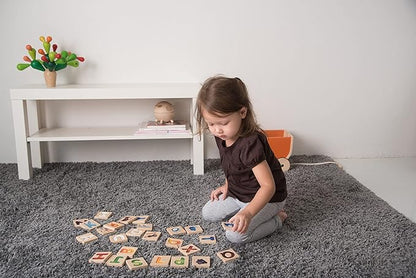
[24, 163]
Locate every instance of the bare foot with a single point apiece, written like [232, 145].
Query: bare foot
[282, 215]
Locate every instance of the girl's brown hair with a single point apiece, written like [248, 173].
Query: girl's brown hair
[222, 96]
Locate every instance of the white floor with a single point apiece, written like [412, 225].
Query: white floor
[392, 179]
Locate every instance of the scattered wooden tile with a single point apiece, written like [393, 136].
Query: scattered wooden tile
[173, 242]
[90, 225]
[189, 249]
[116, 260]
[160, 261]
[128, 251]
[78, 222]
[179, 261]
[195, 229]
[134, 232]
[127, 219]
[176, 230]
[228, 226]
[141, 219]
[104, 231]
[145, 226]
[136, 263]
[228, 255]
[85, 238]
[201, 261]
[100, 257]
[151, 236]
[113, 225]
[208, 239]
[118, 238]
[103, 215]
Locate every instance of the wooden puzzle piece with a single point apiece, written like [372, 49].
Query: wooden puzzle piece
[173, 242]
[90, 225]
[188, 249]
[179, 261]
[160, 261]
[127, 251]
[113, 225]
[127, 219]
[103, 215]
[104, 231]
[196, 229]
[141, 219]
[201, 261]
[151, 236]
[145, 226]
[228, 255]
[85, 238]
[116, 260]
[207, 239]
[136, 263]
[119, 238]
[176, 230]
[134, 232]
[228, 226]
[100, 257]
[78, 222]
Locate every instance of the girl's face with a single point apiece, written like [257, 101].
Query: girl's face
[225, 126]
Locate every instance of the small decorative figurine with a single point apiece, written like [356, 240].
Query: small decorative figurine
[50, 61]
[164, 112]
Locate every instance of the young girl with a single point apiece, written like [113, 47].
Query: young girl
[254, 191]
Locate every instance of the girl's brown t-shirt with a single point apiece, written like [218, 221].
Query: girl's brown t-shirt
[239, 159]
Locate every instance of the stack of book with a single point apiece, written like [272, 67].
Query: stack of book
[153, 127]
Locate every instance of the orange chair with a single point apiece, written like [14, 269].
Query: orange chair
[281, 142]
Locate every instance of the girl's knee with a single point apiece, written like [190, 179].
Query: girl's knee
[236, 237]
[207, 214]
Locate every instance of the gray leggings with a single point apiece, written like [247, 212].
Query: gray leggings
[265, 222]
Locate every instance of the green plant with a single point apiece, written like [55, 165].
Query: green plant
[51, 60]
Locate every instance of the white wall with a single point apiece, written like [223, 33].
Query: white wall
[340, 75]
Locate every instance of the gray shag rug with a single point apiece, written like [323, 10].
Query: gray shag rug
[336, 227]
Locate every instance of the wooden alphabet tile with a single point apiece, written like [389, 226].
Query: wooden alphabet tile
[104, 231]
[116, 260]
[228, 226]
[127, 219]
[179, 261]
[160, 261]
[188, 249]
[173, 242]
[85, 238]
[128, 251]
[151, 236]
[201, 261]
[103, 215]
[113, 225]
[118, 238]
[78, 222]
[207, 239]
[177, 230]
[90, 225]
[145, 226]
[134, 232]
[141, 219]
[196, 229]
[228, 255]
[100, 257]
[136, 263]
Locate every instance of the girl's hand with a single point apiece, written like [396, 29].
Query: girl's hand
[241, 221]
[217, 192]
